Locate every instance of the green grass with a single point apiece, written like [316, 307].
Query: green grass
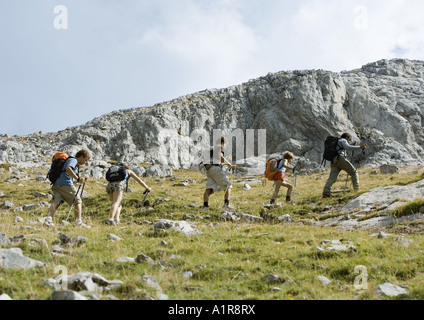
[228, 259]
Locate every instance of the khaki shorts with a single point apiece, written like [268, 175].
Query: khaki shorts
[115, 186]
[66, 194]
[217, 178]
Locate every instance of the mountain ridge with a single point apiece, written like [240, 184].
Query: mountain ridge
[381, 103]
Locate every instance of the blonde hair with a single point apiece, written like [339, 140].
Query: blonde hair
[288, 156]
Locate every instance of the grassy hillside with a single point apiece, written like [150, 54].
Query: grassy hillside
[228, 259]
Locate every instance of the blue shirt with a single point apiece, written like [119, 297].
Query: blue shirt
[344, 145]
[65, 179]
[281, 167]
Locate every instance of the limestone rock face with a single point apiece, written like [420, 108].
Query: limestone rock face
[380, 104]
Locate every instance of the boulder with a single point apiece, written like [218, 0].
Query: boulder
[14, 259]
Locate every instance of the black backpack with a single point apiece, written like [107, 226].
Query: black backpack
[56, 167]
[116, 173]
[331, 148]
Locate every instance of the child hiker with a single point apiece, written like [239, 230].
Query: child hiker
[279, 178]
[115, 190]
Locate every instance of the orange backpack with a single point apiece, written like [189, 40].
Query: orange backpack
[56, 168]
[271, 168]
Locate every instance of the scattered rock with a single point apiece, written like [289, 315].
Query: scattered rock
[325, 281]
[388, 169]
[14, 259]
[272, 279]
[67, 295]
[250, 218]
[5, 297]
[151, 282]
[246, 187]
[187, 274]
[231, 216]
[285, 218]
[114, 237]
[125, 260]
[78, 241]
[336, 245]
[391, 290]
[181, 226]
[91, 282]
[29, 207]
[8, 205]
[65, 239]
[141, 258]
[4, 239]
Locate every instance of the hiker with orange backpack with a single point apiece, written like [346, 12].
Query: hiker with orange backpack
[275, 169]
[63, 183]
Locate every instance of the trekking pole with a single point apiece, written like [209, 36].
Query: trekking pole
[73, 202]
[146, 193]
[294, 190]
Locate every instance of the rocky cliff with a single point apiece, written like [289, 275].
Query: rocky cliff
[381, 104]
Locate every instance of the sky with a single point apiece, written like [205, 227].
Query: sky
[66, 62]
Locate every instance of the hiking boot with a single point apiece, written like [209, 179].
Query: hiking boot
[110, 222]
[48, 221]
[326, 195]
[228, 207]
[78, 222]
[205, 208]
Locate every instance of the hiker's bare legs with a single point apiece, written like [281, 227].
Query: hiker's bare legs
[115, 209]
[278, 185]
[52, 209]
[228, 194]
[207, 194]
[78, 210]
[289, 188]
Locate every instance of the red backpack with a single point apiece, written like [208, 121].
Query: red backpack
[271, 168]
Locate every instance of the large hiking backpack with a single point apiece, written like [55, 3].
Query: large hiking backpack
[116, 173]
[56, 168]
[271, 168]
[198, 165]
[331, 148]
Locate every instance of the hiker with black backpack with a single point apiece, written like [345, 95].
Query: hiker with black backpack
[118, 177]
[63, 172]
[340, 162]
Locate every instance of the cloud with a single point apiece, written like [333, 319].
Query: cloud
[211, 36]
[121, 54]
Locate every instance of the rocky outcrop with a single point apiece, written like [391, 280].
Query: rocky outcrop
[371, 210]
[381, 104]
